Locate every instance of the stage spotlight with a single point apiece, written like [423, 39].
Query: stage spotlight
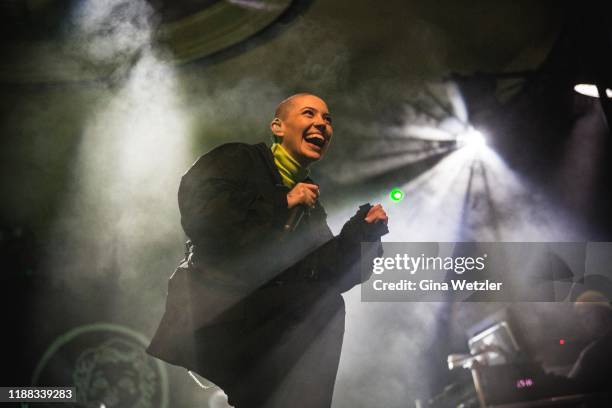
[471, 138]
[591, 90]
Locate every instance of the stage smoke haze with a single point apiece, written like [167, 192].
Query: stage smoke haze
[119, 229]
[110, 31]
[116, 237]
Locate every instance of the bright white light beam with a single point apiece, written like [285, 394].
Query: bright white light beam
[471, 138]
[591, 90]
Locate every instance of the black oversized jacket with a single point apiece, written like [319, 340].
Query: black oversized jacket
[245, 283]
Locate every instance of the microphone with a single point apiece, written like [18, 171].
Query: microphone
[295, 216]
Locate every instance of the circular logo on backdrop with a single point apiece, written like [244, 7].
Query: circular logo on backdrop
[108, 366]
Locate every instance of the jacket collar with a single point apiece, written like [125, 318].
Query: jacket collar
[266, 153]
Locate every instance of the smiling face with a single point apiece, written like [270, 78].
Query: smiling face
[303, 124]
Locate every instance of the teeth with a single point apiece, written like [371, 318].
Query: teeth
[316, 141]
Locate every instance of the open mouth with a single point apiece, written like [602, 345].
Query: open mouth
[316, 140]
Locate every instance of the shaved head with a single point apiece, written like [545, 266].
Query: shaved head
[302, 125]
[285, 106]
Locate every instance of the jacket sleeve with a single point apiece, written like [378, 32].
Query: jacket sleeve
[338, 260]
[227, 217]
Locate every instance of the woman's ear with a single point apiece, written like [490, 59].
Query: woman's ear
[276, 126]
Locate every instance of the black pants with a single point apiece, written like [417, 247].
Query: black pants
[292, 361]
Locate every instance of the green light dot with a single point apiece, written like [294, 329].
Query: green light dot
[396, 194]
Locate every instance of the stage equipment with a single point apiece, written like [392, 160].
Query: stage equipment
[504, 378]
[186, 31]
